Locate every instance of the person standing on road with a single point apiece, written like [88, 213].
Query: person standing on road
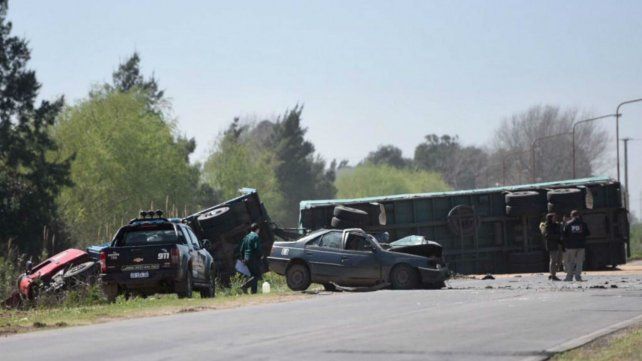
[250, 253]
[552, 233]
[574, 233]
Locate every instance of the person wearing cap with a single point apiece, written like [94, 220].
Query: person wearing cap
[250, 254]
[552, 232]
[574, 233]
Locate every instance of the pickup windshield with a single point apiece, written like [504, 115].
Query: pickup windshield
[142, 236]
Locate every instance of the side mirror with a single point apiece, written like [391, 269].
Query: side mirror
[29, 267]
[205, 243]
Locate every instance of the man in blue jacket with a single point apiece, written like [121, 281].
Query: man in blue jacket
[250, 253]
[574, 233]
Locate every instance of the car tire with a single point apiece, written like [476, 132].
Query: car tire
[83, 270]
[210, 290]
[110, 290]
[404, 277]
[330, 287]
[351, 215]
[297, 277]
[184, 289]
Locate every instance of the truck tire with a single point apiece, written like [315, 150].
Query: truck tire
[404, 277]
[567, 198]
[341, 224]
[297, 277]
[523, 203]
[217, 221]
[110, 290]
[521, 197]
[184, 289]
[352, 215]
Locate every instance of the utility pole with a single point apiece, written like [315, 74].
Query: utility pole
[626, 171]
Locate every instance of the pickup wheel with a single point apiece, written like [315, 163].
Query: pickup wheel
[297, 277]
[184, 289]
[404, 277]
[209, 291]
[110, 290]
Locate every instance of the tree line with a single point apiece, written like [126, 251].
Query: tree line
[71, 174]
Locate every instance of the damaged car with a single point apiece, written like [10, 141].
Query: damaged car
[354, 258]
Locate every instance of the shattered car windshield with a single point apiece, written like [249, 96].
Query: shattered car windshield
[409, 241]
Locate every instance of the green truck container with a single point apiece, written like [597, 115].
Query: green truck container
[480, 234]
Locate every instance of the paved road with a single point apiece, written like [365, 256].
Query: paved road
[503, 319]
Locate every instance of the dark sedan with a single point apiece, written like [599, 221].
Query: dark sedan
[354, 258]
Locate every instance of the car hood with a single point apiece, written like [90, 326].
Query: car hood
[417, 245]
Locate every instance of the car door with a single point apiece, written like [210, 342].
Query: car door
[196, 255]
[324, 256]
[361, 266]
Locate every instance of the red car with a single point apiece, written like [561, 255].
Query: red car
[47, 269]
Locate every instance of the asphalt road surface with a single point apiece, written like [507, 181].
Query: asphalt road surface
[510, 318]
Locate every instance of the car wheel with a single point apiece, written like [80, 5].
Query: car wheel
[209, 291]
[110, 290]
[404, 277]
[298, 277]
[329, 287]
[184, 288]
[82, 271]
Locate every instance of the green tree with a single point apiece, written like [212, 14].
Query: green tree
[29, 180]
[462, 167]
[126, 159]
[369, 180]
[300, 174]
[236, 163]
[129, 78]
[388, 154]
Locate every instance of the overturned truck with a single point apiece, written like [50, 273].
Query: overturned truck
[225, 224]
[496, 229]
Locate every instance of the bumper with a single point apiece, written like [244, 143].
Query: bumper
[433, 275]
[156, 278]
[278, 265]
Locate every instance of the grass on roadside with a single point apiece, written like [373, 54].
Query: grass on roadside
[620, 346]
[88, 306]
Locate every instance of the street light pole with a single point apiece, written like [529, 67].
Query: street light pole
[584, 121]
[533, 151]
[617, 131]
[626, 170]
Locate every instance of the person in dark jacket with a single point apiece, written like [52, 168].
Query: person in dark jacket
[552, 233]
[250, 253]
[574, 233]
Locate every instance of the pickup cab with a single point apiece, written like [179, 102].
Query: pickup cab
[156, 255]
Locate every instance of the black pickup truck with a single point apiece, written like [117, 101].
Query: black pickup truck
[156, 255]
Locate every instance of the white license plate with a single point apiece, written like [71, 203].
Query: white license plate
[139, 275]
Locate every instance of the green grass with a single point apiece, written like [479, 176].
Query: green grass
[623, 345]
[87, 306]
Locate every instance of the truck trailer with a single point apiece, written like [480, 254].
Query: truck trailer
[495, 230]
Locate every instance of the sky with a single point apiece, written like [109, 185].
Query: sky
[367, 72]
